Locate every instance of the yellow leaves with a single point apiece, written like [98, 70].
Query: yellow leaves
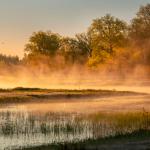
[98, 57]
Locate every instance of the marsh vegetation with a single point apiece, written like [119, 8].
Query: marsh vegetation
[57, 117]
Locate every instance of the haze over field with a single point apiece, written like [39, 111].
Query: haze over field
[113, 52]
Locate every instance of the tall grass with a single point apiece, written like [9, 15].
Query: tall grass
[35, 128]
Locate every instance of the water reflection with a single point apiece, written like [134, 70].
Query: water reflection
[22, 128]
[45, 123]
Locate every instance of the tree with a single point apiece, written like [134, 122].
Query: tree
[140, 25]
[140, 33]
[74, 50]
[69, 49]
[106, 34]
[84, 44]
[41, 42]
[9, 60]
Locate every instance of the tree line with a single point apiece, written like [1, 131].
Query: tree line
[109, 42]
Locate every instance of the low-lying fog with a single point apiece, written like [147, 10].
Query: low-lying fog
[106, 104]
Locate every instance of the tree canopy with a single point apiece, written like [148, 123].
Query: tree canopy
[106, 34]
[105, 38]
[140, 26]
[140, 33]
[43, 43]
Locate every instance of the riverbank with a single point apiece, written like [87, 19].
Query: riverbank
[26, 95]
[138, 140]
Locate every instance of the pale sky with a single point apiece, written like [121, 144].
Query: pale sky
[19, 18]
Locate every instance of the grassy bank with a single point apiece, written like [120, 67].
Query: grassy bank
[22, 95]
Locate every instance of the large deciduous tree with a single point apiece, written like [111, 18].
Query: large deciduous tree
[140, 25]
[106, 34]
[41, 42]
[140, 33]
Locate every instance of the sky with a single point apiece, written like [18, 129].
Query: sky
[20, 18]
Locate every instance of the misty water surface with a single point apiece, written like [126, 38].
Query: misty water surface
[32, 124]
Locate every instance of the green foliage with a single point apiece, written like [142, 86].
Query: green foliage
[74, 50]
[140, 26]
[98, 58]
[140, 33]
[109, 41]
[106, 34]
[84, 44]
[45, 43]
